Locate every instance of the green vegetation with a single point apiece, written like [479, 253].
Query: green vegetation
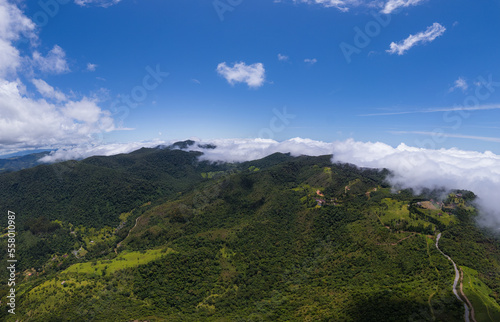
[480, 295]
[249, 242]
[122, 261]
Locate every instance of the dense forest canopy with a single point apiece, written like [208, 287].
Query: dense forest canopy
[158, 234]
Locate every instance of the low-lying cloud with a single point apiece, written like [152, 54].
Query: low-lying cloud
[413, 167]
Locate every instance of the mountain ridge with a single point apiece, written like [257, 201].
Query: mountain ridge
[280, 238]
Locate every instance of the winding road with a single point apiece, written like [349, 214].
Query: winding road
[455, 282]
[120, 243]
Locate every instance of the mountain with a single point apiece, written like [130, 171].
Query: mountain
[16, 163]
[157, 235]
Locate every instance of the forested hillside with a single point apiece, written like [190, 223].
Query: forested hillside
[157, 235]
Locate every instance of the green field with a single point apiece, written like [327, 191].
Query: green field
[485, 307]
[398, 210]
[122, 261]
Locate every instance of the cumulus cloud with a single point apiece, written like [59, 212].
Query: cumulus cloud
[26, 122]
[98, 3]
[253, 75]
[54, 62]
[431, 33]
[392, 5]
[13, 25]
[310, 61]
[48, 91]
[9, 58]
[460, 83]
[52, 120]
[91, 67]
[282, 57]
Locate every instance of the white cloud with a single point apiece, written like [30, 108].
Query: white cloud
[417, 168]
[423, 37]
[13, 25]
[342, 5]
[25, 122]
[98, 3]
[311, 61]
[460, 83]
[85, 111]
[54, 62]
[392, 5]
[444, 109]
[48, 91]
[85, 151]
[9, 58]
[385, 6]
[91, 67]
[282, 57]
[253, 75]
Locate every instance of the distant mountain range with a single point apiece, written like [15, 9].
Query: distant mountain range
[16, 163]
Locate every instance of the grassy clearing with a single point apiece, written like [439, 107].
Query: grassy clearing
[92, 236]
[122, 261]
[486, 308]
[125, 215]
[440, 215]
[398, 210]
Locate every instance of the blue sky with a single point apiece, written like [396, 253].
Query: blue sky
[230, 77]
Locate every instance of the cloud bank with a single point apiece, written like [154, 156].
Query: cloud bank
[86, 151]
[413, 167]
